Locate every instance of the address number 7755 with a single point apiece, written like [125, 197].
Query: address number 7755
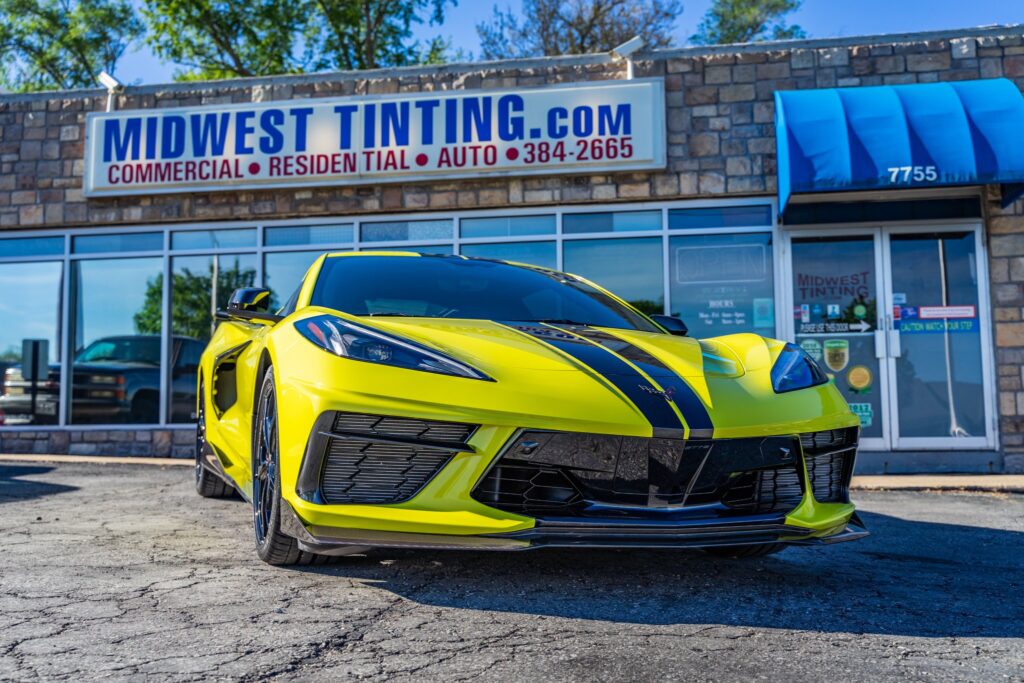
[917, 174]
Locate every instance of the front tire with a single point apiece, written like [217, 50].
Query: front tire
[208, 484]
[272, 546]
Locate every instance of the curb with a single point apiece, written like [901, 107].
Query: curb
[98, 460]
[990, 483]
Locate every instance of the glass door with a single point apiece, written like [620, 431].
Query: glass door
[899, 318]
[937, 340]
[836, 288]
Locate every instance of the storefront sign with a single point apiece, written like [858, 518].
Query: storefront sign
[937, 312]
[586, 128]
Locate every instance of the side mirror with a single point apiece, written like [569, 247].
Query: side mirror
[671, 323]
[249, 304]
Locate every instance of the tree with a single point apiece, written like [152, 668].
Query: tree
[747, 21]
[559, 27]
[62, 44]
[191, 296]
[369, 34]
[222, 39]
[214, 39]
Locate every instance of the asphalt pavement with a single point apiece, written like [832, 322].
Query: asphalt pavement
[121, 571]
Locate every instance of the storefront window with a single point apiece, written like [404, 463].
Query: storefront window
[507, 226]
[116, 325]
[618, 221]
[283, 272]
[200, 285]
[720, 217]
[400, 231]
[289, 235]
[214, 239]
[630, 268]
[32, 246]
[534, 253]
[100, 244]
[721, 284]
[30, 296]
[443, 249]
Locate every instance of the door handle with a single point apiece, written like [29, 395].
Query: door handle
[879, 344]
[894, 338]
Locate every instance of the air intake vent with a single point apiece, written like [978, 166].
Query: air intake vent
[527, 488]
[372, 473]
[770, 490]
[829, 456]
[403, 428]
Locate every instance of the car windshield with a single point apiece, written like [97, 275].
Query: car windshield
[453, 287]
[140, 349]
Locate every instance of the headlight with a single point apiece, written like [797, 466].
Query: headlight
[794, 369]
[349, 340]
[105, 379]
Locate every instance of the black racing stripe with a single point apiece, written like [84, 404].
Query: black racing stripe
[690, 405]
[605, 363]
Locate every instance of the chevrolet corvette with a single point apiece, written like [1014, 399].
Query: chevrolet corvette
[406, 400]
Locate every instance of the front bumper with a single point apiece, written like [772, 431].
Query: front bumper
[370, 481]
[572, 534]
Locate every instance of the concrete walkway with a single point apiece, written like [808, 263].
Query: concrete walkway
[1008, 483]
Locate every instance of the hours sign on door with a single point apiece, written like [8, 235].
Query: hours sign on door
[612, 125]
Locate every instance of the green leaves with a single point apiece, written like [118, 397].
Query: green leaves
[62, 44]
[745, 21]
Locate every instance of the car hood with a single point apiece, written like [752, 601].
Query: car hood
[533, 346]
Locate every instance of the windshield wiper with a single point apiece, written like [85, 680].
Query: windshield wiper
[391, 315]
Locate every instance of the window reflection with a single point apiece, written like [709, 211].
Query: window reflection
[534, 253]
[116, 335]
[507, 226]
[199, 286]
[283, 272]
[630, 268]
[30, 306]
[617, 221]
[723, 284]
[397, 231]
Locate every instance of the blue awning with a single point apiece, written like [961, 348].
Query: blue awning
[899, 136]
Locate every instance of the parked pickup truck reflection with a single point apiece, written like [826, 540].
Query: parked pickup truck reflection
[116, 381]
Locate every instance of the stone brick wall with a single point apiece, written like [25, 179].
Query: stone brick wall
[157, 443]
[721, 142]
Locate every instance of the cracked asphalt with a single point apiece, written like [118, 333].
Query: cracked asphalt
[121, 572]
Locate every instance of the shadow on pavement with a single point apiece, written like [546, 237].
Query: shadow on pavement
[14, 488]
[909, 578]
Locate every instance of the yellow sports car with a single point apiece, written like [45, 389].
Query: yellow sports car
[400, 400]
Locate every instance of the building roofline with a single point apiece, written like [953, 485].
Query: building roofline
[601, 58]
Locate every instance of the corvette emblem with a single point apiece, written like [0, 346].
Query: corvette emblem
[667, 395]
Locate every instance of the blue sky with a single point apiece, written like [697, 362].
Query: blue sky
[820, 18]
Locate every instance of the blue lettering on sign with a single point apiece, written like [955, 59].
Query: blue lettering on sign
[116, 142]
[556, 129]
[394, 122]
[427, 108]
[209, 134]
[172, 137]
[369, 126]
[476, 119]
[451, 114]
[510, 127]
[243, 129]
[151, 124]
[345, 112]
[301, 116]
[620, 124]
[270, 122]
[582, 122]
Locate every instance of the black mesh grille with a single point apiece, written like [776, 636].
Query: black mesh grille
[377, 473]
[579, 474]
[829, 457]
[381, 459]
[527, 488]
[403, 428]
[770, 490]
